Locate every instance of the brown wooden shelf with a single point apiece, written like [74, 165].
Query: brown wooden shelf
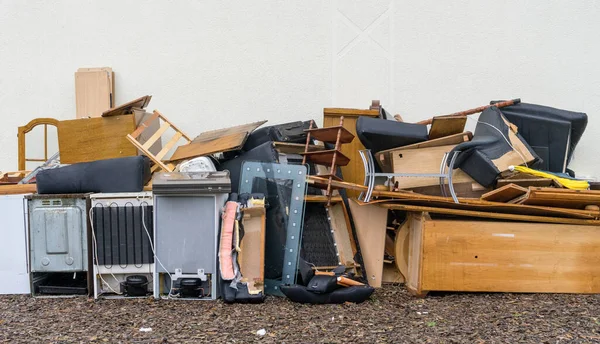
[326, 156]
[329, 134]
[327, 175]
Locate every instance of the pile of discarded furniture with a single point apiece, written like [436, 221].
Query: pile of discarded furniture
[131, 206]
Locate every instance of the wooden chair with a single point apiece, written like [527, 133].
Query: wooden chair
[21, 136]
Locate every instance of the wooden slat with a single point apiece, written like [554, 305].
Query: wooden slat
[504, 193]
[321, 198]
[156, 136]
[479, 256]
[349, 112]
[16, 189]
[208, 136]
[158, 162]
[370, 222]
[445, 126]
[384, 158]
[294, 148]
[169, 145]
[491, 215]
[89, 139]
[172, 125]
[126, 108]
[140, 129]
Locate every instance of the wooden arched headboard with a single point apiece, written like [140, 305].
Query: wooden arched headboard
[27, 128]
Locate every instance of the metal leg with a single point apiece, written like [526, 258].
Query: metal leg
[443, 171]
[365, 182]
[450, 170]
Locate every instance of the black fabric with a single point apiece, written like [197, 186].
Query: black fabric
[488, 144]
[547, 130]
[264, 153]
[239, 295]
[292, 132]
[301, 294]
[318, 244]
[380, 134]
[128, 174]
[322, 284]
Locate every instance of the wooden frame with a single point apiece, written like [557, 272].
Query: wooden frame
[22, 131]
[144, 147]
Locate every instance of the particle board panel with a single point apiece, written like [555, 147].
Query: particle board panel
[89, 139]
[414, 267]
[93, 91]
[423, 160]
[353, 172]
[486, 256]
[325, 157]
[505, 193]
[370, 224]
[442, 126]
[252, 256]
[384, 157]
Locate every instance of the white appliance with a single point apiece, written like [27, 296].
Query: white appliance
[13, 246]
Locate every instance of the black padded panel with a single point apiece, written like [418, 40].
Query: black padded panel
[380, 134]
[299, 293]
[128, 174]
[265, 152]
[547, 130]
[476, 156]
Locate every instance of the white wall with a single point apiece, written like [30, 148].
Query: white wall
[210, 64]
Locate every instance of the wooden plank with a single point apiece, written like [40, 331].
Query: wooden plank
[342, 233]
[472, 204]
[16, 189]
[491, 215]
[478, 256]
[370, 222]
[252, 256]
[90, 139]
[442, 126]
[147, 124]
[504, 193]
[353, 172]
[221, 144]
[321, 198]
[216, 141]
[295, 148]
[126, 108]
[384, 158]
[423, 160]
[93, 92]
[566, 198]
[527, 182]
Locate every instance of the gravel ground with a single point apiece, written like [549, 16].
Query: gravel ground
[390, 316]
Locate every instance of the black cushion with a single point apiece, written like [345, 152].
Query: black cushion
[380, 134]
[128, 174]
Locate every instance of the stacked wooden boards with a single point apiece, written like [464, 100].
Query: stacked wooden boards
[94, 91]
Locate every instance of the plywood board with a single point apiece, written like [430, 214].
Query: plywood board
[504, 193]
[401, 248]
[216, 141]
[509, 257]
[252, 256]
[127, 108]
[415, 252]
[353, 172]
[370, 224]
[384, 157]
[442, 126]
[93, 91]
[423, 160]
[89, 139]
